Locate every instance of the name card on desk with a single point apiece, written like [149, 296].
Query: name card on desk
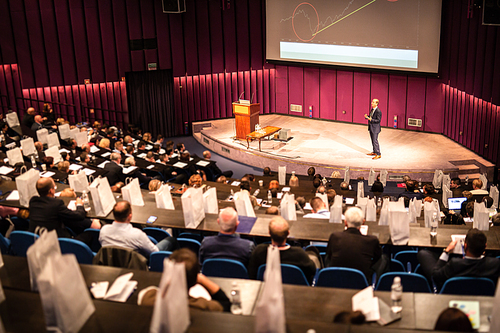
[150, 166]
[74, 167]
[88, 172]
[127, 170]
[203, 163]
[106, 154]
[179, 165]
[94, 149]
[4, 170]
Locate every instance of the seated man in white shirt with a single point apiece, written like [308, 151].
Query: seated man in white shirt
[122, 234]
[319, 209]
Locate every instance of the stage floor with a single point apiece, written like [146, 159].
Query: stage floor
[332, 146]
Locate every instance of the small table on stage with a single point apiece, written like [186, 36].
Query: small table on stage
[258, 135]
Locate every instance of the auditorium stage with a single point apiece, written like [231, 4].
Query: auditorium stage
[330, 146]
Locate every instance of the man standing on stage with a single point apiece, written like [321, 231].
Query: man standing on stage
[374, 128]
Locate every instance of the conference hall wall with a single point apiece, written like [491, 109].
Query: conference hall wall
[216, 50]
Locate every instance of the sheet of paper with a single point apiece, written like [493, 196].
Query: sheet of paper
[94, 149]
[72, 205]
[235, 183]
[150, 166]
[122, 297]
[162, 151]
[142, 155]
[47, 174]
[4, 170]
[361, 296]
[135, 142]
[198, 291]
[364, 230]
[180, 165]
[119, 285]
[127, 170]
[307, 206]
[203, 163]
[106, 154]
[174, 155]
[286, 189]
[365, 302]
[190, 159]
[459, 248]
[99, 289]
[149, 147]
[14, 195]
[64, 150]
[102, 164]
[73, 167]
[349, 201]
[88, 172]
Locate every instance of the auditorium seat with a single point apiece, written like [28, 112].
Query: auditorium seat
[156, 260]
[156, 233]
[475, 286]
[411, 282]
[226, 268]
[341, 277]
[20, 241]
[290, 274]
[83, 253]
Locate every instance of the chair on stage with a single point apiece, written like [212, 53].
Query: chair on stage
[83, 253]
[474, 286]
[341, 277]
[411, 282]
[225, 268]
[290, 274]
[20, 241]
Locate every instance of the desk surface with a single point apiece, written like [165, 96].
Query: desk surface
[266, 131]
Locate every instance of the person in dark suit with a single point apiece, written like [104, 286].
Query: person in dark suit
[214, 168]
[351, 249]
[115, 171]
[474, 264]
[374, 128]
[50, 213]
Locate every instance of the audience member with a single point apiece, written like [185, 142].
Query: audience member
[227, 244]
[121, 233]
[273, 210]
[411, 191]
[104, 143]
[114, 170]
[330, 194]
[222, 179]
[351, 249]
[319, 209]
[474, 264]
[154, 185]
[377, 187]
[293, 255]
[195, 181]
[50, 213]
[29, 117]
[214, 168]
[335, 174]
[477, 184]
[453, 320]
[68, 193]
[468, 195]
[266, 172]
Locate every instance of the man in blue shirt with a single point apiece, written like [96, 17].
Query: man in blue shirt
[227, 244]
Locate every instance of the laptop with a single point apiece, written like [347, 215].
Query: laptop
[455, 204]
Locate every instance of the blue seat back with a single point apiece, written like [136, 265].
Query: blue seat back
[4, 244]
[396, 266]
[95, 245]
[226, 268]
[191, 235]
[156, 233]
[81, 250]
[156, 260]
[341, 277]
[290, 274]
[476, 286]
[411, 282]
[408, 259]
[151, 238]
[20, 241]
[191, 244]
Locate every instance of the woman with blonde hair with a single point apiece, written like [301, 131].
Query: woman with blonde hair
[104, 143]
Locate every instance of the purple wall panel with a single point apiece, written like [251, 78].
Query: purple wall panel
[197, 98]
[266, 106]
[216, 37]
[222, 96]
[478, 71]
[8, 55]
[150, 56]
[495, 139]
[380, 90]
[184, 115]
[178, 105]
[121, 35]
[471, 53]
[445, 51]
[256, 39]
[327, 93]
[38, 57]
[231, 93]
[190, 98]
[361, 94]
[148, 19]
[495, 85]
[16, 82]
[23, 49]
[203, 33]
[247, 84]
[190, 44]
[51, 44]
[344, 95]
[460, 122]
[229, 32]
[434, 105]
[281, 87]
[462, 56]
[311, 92]
[80, 40]
[415, 100]
[93, 36]
[215, 95]
[177, 41]
[396, 105]
[108, 41]
[295, 88]
[66, 47]
[489, 59]
[259, 86]
[135, 32]
[242, 34]
[163, 37]
[203, 97]
[455, 45]
[209, 96]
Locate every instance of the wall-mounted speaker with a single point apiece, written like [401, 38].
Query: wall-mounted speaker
[174, 6]
[491, 12]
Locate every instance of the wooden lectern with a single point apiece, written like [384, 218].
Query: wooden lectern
[246, 117]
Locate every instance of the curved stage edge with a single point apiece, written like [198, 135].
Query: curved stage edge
[331, 146]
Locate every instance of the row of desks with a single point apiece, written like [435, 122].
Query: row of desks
[301, 229]
[305, 307]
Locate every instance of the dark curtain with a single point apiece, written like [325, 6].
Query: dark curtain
[150, 96]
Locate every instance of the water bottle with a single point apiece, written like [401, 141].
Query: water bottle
[379, 202]
[256, 193]
[420, 183]
[86, 202]
[2, 137]
[324, 181]
[232, 192]
[33, 161]
[466, 180]
[396, 295]
[236, 299]
[434, 225]
[269, 196]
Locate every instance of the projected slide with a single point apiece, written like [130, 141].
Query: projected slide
[393, 34]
